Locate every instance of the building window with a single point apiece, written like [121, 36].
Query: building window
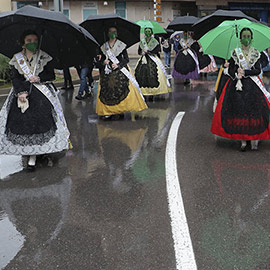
[120, 9]
[89, 8]
[66, 12]
[66, 9]
[21, 4]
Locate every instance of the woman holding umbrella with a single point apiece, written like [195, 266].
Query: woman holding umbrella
[118, 91]
[32, 120]
[190, 60]
[150, 72]
[242, 111]
[186, 64]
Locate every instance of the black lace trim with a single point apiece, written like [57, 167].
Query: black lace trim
[114, 88]
[147, 74]
[33, 139]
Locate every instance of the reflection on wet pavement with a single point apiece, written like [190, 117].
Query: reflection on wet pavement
[34, 213]
[11, 240]
[103, 204]
[10, 165]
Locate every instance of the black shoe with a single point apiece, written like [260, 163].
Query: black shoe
[187, 81]
[243, 148]
[87, 95]
[79, 97]
[117, 116]
[64, 87]
[71, 87]
[31, 168]
[106, 117]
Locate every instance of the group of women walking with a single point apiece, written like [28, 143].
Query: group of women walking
[32, 119]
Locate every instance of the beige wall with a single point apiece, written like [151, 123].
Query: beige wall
[135, 11]
[5, 5]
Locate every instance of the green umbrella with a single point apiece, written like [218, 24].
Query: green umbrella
[155, 26]
[221, 40]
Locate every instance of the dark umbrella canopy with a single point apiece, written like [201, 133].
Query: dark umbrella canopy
[98, 25]
[68, 43]
[211, 21]
[182, 23]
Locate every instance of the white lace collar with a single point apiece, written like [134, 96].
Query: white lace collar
[252, 57]
[117, 48]
[44, 58]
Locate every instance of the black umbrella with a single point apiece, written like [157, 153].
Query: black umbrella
[98, 25]
[182, 23]
[68, 43]
[213, 20]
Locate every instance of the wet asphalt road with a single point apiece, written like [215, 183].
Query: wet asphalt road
[103, 204]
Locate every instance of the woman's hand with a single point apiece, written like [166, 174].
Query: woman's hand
[106, 62]
[114, 66]
[144, 52]
[23, 97]
[34, 79]
[240, 72]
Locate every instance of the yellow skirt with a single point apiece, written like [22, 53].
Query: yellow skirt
[163, 87]
[134, 102]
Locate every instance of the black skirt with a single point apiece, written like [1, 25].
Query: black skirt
[36, 125]
[147, 74]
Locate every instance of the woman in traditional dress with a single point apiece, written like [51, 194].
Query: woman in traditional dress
[190, 60]
[242, 111]
[150, 71]
[118, 91]
[32, 120]
[186, 64]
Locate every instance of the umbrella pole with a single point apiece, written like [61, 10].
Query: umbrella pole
[35, 67]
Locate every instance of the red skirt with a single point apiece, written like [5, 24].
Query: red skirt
[242, 115]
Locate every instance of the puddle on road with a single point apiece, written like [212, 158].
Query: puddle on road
[9, 165]
[11, 240]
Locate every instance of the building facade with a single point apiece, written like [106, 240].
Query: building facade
[133, 10]
[78, 10]
[5, 5]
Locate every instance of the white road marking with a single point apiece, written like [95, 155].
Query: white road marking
[185, 259]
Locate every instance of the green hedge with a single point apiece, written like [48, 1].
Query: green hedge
[4, 69]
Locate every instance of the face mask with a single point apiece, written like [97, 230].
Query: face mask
[185, 36]
[246, 41]
[31, 46]
[148, 33]
[112, 35]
